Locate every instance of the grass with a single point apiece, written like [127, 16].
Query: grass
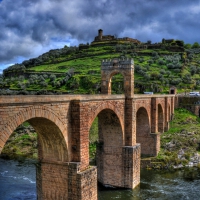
[183, 135]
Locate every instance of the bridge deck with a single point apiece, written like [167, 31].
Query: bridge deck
[63, 98]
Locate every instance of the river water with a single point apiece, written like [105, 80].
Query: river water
[18, 181]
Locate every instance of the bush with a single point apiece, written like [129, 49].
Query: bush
[176, 81]
[150, 62]
[193, 69]
[154, 53]
[52, 77]
[187, 78]
[162, 71]
[137, 68]
[146, 76]
[141, 60]
[154, 75]
[161, 62]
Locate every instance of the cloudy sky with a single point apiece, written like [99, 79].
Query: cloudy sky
[29, 28]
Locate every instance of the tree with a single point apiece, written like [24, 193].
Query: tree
[150, 62]
[154, 75]
[195, 45]
[187, 46]
[27, 84]
[43, 84]
[147, 77]
[162, 71]
[161, 62]
[137, 68]
[187, 78]
[193, 69]
[52, 77]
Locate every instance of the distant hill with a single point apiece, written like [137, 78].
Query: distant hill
[77, 69]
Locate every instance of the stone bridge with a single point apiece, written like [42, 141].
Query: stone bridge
[128, 125]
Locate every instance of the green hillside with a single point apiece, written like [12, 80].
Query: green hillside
[77, 69]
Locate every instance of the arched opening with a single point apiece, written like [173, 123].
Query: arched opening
[143, 131]
[51, 143]
[47, 137]
[93, 141]
[109, 148]
[160, 119]
[172, 91]
[169, 113]
[22, 143]
[117, 84]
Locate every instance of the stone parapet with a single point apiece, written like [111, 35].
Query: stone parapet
[116, 63]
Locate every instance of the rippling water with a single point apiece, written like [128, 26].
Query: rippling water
[18, 181]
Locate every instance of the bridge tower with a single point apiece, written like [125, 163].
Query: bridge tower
[130, 151]
[111, 67]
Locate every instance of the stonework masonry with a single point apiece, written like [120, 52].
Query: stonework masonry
[191, 103]
[128, 125]
[63, 124]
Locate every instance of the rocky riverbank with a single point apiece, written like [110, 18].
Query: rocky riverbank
[180, 146]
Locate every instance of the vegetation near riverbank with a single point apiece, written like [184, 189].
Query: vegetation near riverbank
[180, 146]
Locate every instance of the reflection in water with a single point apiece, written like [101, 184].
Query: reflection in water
[18, 181]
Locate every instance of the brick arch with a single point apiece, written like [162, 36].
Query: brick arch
[168, 112]
[142, 118]
[102, 107]
[160, 116]
[109, 151]
[114, 72]
[109, 78]
[111, 67]
[148, 110]
[143, 130]
[36, 115]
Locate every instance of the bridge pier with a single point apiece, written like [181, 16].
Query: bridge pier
[131, 166]
[123, 175]
[60, 181]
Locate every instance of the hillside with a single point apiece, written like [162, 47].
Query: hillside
[180, 145]
[77, 69]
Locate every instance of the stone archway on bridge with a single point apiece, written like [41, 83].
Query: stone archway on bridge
[160, 119]
[169, 113]
[109, 149]
[53, 167]
[52, 134]
[143, 130]
[114, 66]
[110, 84]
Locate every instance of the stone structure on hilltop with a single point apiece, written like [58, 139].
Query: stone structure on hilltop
[112, 39]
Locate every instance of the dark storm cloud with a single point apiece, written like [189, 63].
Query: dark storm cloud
[29, 28]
